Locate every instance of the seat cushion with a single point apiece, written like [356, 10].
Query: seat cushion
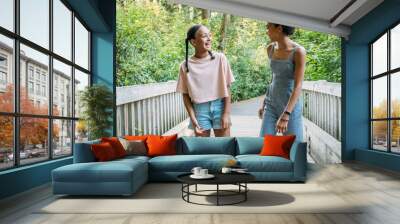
[257, 163]
[112, 171]
[249, 145]
[185, 163]
[206, 145]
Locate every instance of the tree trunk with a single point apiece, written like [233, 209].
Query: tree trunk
[205, 14]
[223, 30]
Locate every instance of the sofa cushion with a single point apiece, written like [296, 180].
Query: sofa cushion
[277, 145]
[161, 145]
[206, 145]
[185, 163]
[249, 145]
[134, 147]
[116, 145]
[112, 171]
[257, 163]
[103, 152]
[83, 152]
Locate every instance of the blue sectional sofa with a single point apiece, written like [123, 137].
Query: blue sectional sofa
[125, 176]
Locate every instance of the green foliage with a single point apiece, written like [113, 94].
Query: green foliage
[150, 47]
[97, 104]
[323, 55]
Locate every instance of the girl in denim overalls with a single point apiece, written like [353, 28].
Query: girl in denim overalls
[282, 108]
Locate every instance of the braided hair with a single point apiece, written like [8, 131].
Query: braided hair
[191, 34]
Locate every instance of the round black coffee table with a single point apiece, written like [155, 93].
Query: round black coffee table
[238, 179]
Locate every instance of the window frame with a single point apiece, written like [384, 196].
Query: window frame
[15, 72]
[388, 74]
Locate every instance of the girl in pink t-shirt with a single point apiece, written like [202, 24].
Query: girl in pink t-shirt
[204, 80]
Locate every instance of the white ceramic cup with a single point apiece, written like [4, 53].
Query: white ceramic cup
[203, 172]
[196, 170]
[226, 170]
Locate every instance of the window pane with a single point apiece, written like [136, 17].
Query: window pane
[62, 29]
[6, 142]
[81, 131]
[379, 55]
[379, 97]
[62, 138]
[33, 139]
[34, 80]
[379, 135]
[6, 74]
[395, 47]
[62, 89]
[395, 94]
[81, 45]
[7, 14]
[81, 81]
[35, 21]
[395, 138]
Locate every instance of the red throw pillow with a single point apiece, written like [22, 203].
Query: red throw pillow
[161, 145]
[136, 138]
[277, 145]
[116, 145]
[103, 152]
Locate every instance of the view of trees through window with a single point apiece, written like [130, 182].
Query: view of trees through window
[385, 95]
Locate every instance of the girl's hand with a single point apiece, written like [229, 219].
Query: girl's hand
[198, 130]
[225, 120]
[261, 113]
[282, 124]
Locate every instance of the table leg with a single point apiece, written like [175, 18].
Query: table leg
[217, 194]
[245, 193]
[196, 188]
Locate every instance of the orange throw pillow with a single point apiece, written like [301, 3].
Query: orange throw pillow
[136, 138]
[161, 145]
[103, 152]
[277, 145]
[116, 145]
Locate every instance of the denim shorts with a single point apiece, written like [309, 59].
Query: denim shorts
[209, 114]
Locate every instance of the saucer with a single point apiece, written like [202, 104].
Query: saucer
[208, 176]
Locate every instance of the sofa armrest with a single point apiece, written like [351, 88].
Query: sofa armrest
[298, 155]
[83, 152]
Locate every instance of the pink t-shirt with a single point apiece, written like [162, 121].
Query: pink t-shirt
[207, 79]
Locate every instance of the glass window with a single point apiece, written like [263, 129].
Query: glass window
[81, 131]
[37, 89]
[379, 97]
[62, 29]
[6, 142]
[395, 47]
[379, 56]
[34, 80]
[62, 138]
[35, 21]
[30, 87]
[379, 135]
[7, 14]
[6, 74]
[33, 139]
[395, 95]
[81, 45]
[40, 62]
[395, 136]
[30, 72]
[3, 61]
[62, 73]
[81, 82]
[385, 124]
